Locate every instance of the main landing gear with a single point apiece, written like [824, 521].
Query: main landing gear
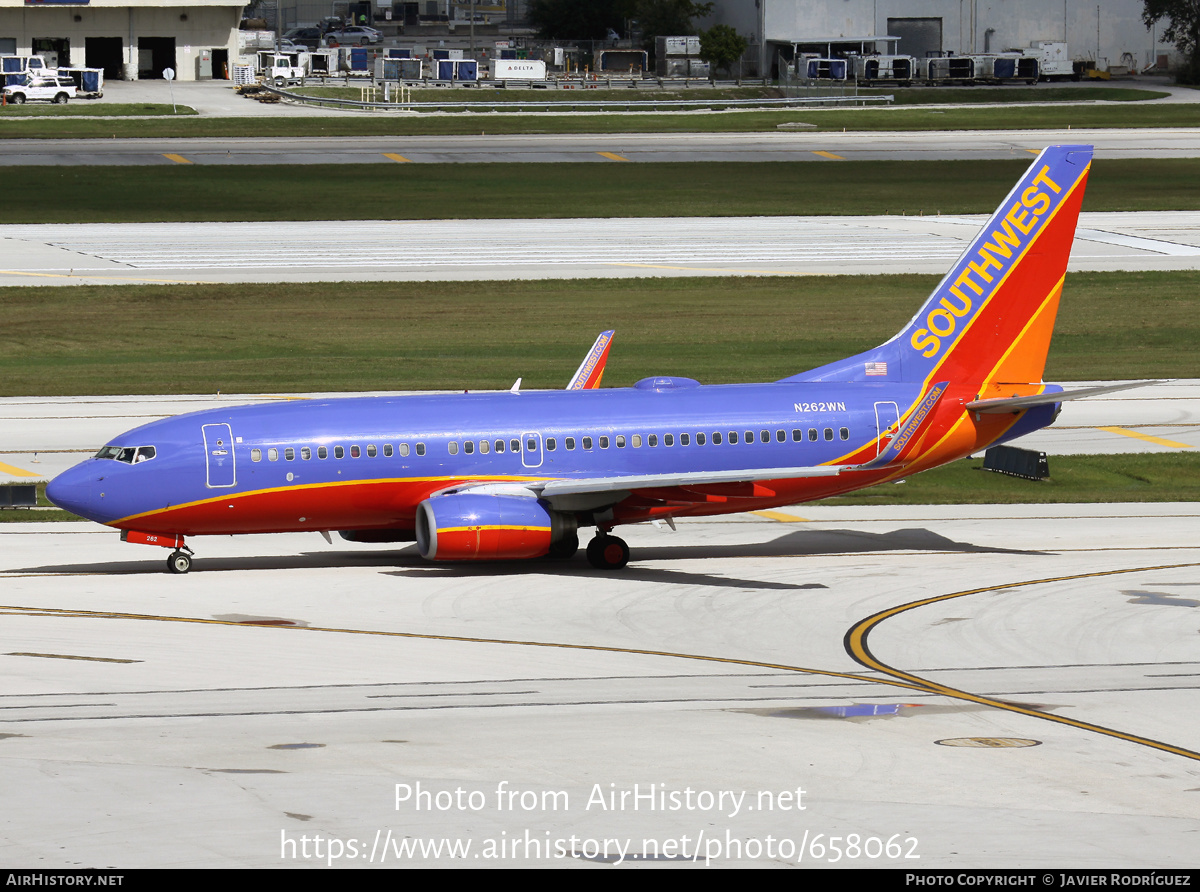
[606, 552]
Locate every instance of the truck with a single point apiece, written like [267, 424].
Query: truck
[41, 87]
[282, 69]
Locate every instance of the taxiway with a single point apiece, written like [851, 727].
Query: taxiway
[1025, 703]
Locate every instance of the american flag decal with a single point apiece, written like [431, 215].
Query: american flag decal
[876, 368]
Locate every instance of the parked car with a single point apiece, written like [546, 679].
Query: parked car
[49, 89]
[309, 37]
[354, 35]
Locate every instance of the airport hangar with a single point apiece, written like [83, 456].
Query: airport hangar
[775, 29]
[129, 39]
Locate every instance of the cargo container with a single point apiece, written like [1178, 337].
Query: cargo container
[622, 60]
[889, 69]
[518, 69]
[89, 82]
[1053, 61]
[826, 69]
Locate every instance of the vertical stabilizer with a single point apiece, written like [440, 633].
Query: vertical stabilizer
[989, 320]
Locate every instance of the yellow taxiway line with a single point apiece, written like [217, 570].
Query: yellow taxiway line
[1147, 437]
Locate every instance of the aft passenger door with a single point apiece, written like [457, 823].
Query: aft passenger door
[218, 456]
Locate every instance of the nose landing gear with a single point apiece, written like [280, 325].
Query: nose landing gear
[180, 561]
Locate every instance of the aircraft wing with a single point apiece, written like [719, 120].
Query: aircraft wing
[1017, 403]
[591, 370]
[624, 483]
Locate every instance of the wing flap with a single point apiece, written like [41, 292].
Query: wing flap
[626, 483]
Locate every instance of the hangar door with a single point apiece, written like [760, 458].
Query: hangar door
[154, 55]
[918, 36]
[107, 53]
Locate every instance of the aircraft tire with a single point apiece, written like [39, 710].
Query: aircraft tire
[179, 562]
[607, 553]
[565, 547]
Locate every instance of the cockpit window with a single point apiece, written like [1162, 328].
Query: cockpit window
[131, 455]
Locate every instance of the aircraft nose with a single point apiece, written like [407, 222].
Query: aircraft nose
[74, 490]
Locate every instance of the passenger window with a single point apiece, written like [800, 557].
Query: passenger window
[273, 454]
[781, 435]
[484, 447]
[339, 452]
[797, 434]
[514, 445]
[637, 441]
[587, 442]
[355, 452]
[828, 433]
[305, 453]
[620, 441]
[733, 438]
[812, 433]
[404, 450]
[604, 442]
[844, 433]
[322, 452]
[652, 439]
[764, 436]
[749, 438]
[716, 438]
[550, 444]
[531, 445]
[469, 447]
[387, 450]
[570, 442]
[454, 447]
[685, 440]
[420, 449]
[289, 454]
[700, 441]
[255, 455]
[370, 450]
[499, 446]
[668, 439]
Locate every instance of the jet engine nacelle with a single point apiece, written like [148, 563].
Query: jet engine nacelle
[468, 526]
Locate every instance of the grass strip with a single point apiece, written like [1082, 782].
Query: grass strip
[901, 117]
[92, 109]
[620, 95]
[47, 512]
[354, 336]
[1149, 477]
[199, 192]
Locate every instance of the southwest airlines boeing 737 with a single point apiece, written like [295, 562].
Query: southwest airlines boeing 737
[511, 475]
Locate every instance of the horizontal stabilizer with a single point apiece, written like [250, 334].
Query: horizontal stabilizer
[1017, 403]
